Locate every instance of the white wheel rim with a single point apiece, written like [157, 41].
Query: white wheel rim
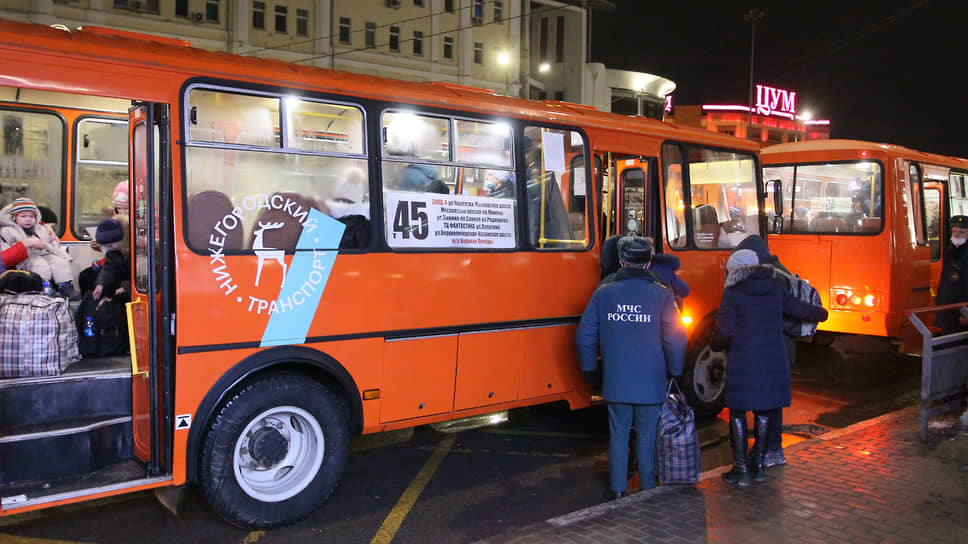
[709, 374]
[288, 472]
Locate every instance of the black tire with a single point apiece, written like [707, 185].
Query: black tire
[704, 376]
[275, 474]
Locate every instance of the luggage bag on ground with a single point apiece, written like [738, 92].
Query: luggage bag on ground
[677, 443]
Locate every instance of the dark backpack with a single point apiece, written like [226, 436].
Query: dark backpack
[21, 281]
[102, 326]
[801, 290]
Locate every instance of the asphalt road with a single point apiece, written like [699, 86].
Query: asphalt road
[429, 485]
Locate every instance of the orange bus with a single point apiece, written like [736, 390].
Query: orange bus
[864, 223]
[317, 254]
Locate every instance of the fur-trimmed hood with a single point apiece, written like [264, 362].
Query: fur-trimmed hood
[760, 276]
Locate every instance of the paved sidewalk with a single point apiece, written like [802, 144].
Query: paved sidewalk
[871, 482]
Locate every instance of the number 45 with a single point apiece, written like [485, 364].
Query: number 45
[410, 218]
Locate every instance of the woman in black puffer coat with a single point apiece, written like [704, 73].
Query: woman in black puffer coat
[750, 322]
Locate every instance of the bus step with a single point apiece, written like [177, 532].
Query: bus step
[62, 449]
[29, 401]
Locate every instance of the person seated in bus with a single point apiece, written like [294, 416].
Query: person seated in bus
[349, 195]
[19, 221]
[350, 206]
[416, 176]
[119, 210]
[499, 184]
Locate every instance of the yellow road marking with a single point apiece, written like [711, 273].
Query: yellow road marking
[10, 539]
[550, 434]
[253, 537]
[395, 518]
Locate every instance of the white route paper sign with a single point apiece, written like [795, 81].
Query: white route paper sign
[431, 220]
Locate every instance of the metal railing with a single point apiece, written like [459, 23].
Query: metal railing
[944, 366]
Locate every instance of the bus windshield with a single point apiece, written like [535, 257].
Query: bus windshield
[835, 198]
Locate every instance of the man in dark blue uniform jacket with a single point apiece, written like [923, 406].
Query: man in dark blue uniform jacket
[634, 322]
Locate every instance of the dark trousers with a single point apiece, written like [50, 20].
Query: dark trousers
[621, 418]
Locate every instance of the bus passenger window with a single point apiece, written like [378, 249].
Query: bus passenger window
[102, 163]
[722, 185]
[32, 162]
[321, 165]
[546, 155]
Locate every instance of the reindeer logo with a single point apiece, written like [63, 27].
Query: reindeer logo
[263, 253]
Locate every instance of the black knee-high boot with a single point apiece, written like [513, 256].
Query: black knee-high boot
[763, 422]
[739, 474]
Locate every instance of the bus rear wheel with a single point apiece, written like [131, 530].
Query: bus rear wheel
[704, 377]
[274, 452]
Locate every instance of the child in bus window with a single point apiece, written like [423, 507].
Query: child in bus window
[19, 221]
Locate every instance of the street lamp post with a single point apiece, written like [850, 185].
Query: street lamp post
[752, 15]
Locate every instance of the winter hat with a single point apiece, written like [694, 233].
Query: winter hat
[120, 196]
[635, 250]
[960, 221]
[108, 231]
[352, 188]
[22, 205]
[742, 257]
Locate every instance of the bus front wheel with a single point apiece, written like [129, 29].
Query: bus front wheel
[704, 376]
[274, 451]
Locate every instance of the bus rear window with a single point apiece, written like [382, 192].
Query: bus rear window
[836, 198]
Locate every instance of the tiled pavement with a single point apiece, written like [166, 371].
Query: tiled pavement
[873, 482]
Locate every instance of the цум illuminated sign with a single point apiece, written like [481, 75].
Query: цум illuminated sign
[773, 101]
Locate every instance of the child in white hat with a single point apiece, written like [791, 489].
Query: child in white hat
[20, 221]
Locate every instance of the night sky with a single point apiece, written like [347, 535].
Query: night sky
[886, 71]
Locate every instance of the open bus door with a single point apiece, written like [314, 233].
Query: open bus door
[150, 317]
[632, 198]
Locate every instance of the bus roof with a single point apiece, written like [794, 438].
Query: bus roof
[783, 153]
[129, 54]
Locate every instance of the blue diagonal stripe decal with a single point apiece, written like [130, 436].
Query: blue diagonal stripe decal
[305, 281]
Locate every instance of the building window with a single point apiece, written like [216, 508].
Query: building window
[559, 95]
[477, 12]
[449, 6]
[395, 38]
[181, 8]
[211, 11]
[344, 30]
[281, 12]
[449, 47]
[302, 22]
[478, 53]
[726, 129]
[560, 40]
[498, 11]
[370, 35]
[543, 39]
[259, 15]
[417, 43]
[418, 3]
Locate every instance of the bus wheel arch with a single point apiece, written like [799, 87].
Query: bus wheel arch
[292, 360]
[704, 376]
